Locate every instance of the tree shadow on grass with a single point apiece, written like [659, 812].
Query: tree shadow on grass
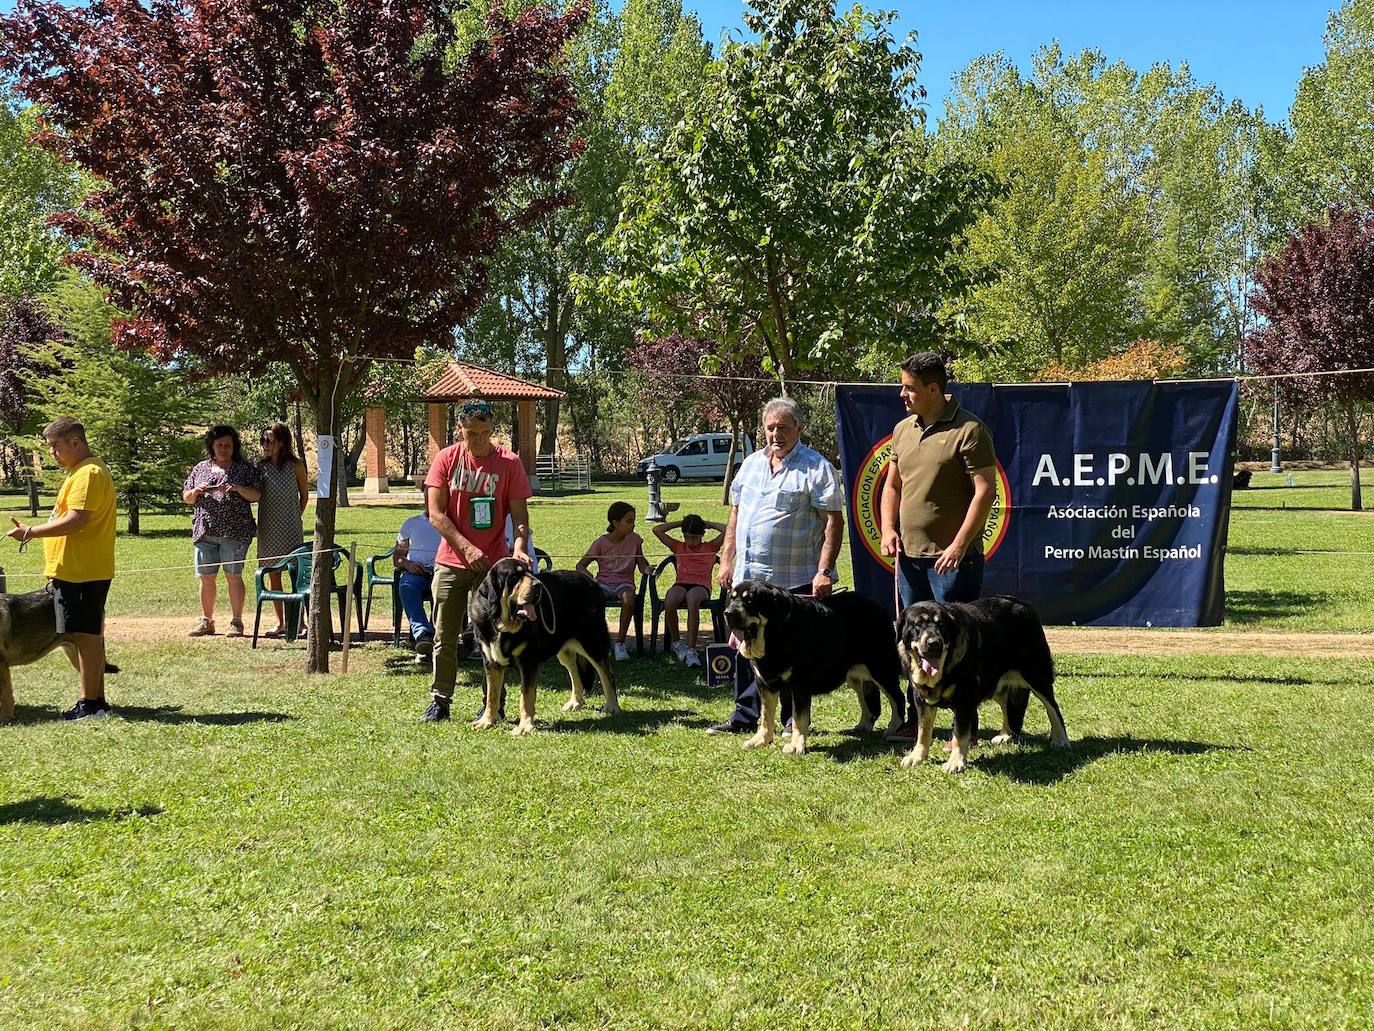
[57, 809]
[173, 714]
[1247, 607]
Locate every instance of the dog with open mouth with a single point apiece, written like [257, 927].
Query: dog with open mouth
[523, 619]
[813, 647]
[958, 655]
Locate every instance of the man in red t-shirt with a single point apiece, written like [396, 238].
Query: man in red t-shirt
[471, 488]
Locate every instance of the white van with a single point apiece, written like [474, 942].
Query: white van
[702, 456]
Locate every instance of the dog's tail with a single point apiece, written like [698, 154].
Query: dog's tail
[110, 667]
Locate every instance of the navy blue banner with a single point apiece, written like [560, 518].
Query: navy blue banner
[1113, 499]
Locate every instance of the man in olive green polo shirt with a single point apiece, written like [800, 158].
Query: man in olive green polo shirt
[940, 486]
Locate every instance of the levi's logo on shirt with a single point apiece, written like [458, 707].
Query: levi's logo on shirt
[474, 481]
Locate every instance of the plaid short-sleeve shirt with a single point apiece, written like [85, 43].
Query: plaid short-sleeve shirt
[781, 520]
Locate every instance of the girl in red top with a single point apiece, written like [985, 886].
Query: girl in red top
[618, 553]
[695, 557]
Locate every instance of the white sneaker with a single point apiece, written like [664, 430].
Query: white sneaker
[680, 651]
[619, 651]
[693, 659]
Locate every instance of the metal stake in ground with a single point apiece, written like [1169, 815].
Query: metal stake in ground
[348, 604]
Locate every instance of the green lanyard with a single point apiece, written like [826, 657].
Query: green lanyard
[481, 510]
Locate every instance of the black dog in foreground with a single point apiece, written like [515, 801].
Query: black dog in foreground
[522, 619]
[958, 655]
[28, 631]
[811, 648]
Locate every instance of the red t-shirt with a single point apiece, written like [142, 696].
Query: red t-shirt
[694, 563]
[500, 475]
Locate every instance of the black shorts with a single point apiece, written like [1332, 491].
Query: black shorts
[689, 588]
[80, 607]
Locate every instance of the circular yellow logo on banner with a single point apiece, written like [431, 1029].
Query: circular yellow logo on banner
[865, 499]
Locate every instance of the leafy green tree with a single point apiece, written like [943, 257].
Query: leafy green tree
[317, 180]
[33, 185]
[797, 201]
[1126, 210]
[137, 413]
[632, 71]
[1325, 155]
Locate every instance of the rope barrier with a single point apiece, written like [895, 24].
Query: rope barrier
[569, 558]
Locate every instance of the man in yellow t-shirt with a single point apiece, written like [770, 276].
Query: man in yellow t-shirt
[78, 549]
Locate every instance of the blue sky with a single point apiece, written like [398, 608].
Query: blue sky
[1254, 50]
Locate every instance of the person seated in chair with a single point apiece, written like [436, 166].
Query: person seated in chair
[695, 557]
[618, 553]
[417, 544]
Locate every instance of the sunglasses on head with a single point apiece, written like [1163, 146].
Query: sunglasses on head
[267, 438]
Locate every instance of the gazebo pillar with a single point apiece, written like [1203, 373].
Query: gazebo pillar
[438, 430]
[374, 451]
[524, 435]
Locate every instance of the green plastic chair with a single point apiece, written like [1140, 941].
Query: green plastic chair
[374, 577]
[542, 563]
[716, 606]
[638, 617]
[298, 567]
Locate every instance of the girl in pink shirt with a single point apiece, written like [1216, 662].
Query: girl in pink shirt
[618, 553]
[695, 558]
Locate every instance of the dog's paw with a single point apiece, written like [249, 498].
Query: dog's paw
[759, 740]
[484, 723]
[572, 705]
[1003, 739]
[915, 757]
[522, 729]
[862, 727]
[796, 746]
[611, 708]
[1060, 742]
[953, 765]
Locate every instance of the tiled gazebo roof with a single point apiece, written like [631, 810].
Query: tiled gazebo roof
[462, 380]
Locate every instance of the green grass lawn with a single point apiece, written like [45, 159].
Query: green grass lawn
[1291, 565]
[247, 847]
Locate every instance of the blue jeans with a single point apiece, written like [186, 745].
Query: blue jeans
[919, 581]
[414, 589]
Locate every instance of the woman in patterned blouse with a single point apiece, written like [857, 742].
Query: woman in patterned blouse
[221, 491]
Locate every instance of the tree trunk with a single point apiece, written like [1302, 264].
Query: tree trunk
[735, 424]
[1353, 438]
[322, 579]
[300, 436]
[133, 513]
[340, 475]
[557, 316]
[348, 461]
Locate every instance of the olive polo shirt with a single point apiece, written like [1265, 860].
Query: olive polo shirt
[936, 463]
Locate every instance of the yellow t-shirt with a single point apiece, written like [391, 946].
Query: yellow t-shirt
[87, 554]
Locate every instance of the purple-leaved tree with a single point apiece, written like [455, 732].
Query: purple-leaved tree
[1316, 299]
[321, 181]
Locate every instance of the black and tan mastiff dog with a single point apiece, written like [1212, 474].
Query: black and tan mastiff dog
[959, 655]
[813, 647]
[28, 631]
[522, 620]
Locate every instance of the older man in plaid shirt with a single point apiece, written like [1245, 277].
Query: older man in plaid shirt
[786, 525]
